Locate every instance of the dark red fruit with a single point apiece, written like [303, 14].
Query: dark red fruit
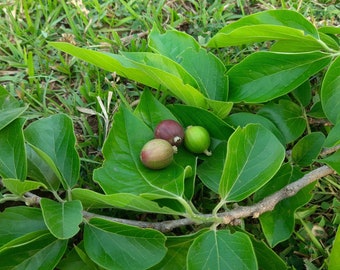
[171, 131]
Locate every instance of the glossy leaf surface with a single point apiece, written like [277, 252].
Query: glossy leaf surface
[118, 246]
[221, 250]
[62, 219]
[254, 155]
[263, 76]
[13, 162]
[278, 225]
[330, 92]
[54, 140]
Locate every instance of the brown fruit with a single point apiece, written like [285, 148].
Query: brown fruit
[157, 154]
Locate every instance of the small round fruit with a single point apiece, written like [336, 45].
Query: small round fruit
[157, 154]
[197, 140]
[171, 131]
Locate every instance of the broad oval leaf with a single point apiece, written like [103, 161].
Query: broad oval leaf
[118, 246]
[254, 155]
[62, 219]
[53, 138]
[43, 253]
[263, 76]
[20, 187]
[21, 220]
[330, 92]
[266, 25]
[221, 250]
[13, 163]
[244, 118]
[123, 172]
[206, 68]
[278, 224]
[177, 251]
[288, 118]
[306, 150]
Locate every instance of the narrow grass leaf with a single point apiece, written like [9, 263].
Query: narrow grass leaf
[62, 218]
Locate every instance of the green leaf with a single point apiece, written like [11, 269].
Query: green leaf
[206, 68]
[189, 115]
[244, 118]
[210, 170]
[13, 155]
[278, 224]
[221, 250]
[127, 201]
[333, 138]
[330, 92]
[306, 150]
[177, 251]
[123, 172]
[254, 155]
[41, 168]
[19, 188]
[334, 258]
[332, 161]
[10, 108]
[263, 76]
[62, 219]
[148, 71]
[151, 111]
[118, 246]
[266, 257]
[303, 93]
[266, 25]
[77, 259]
[54, 140]
[21, 220]
[42, 253]
[288, 118]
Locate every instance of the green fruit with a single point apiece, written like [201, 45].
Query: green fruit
[157, 154]
[197, 140]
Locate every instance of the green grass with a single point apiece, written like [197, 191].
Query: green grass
[52, 82]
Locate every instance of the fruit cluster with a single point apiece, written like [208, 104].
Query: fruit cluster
[169, 134]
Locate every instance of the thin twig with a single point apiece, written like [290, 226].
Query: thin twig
[234, 215]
